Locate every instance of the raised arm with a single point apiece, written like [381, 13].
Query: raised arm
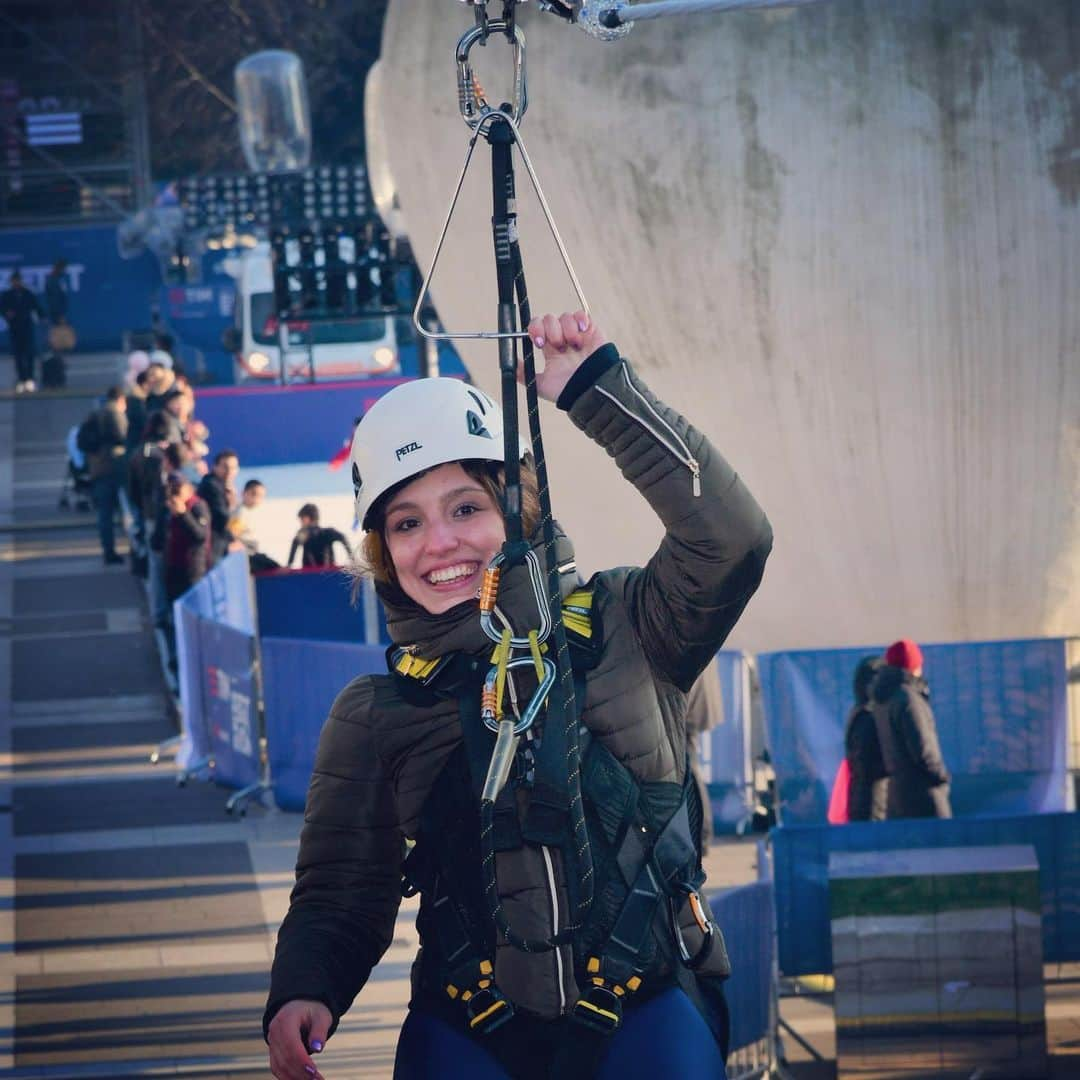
[690, 594]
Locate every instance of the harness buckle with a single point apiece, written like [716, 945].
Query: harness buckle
[599, 1009]
[487, 1009]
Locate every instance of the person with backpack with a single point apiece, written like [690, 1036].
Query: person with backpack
[102, 438]
[519, 974]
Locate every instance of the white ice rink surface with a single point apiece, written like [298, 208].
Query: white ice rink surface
[288, 487]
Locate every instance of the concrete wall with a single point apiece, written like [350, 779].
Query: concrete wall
[845, 240]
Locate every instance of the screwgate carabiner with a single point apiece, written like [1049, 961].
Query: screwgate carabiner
[474, 109]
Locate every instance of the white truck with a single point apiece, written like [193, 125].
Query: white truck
[304, 350]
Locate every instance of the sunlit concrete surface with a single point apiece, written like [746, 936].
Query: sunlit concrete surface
[844, 240]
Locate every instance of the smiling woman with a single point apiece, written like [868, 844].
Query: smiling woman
[401, 754]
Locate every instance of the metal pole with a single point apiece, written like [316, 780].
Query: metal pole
[617, 15]
[430, 354]
[370, 601]
[139, 126]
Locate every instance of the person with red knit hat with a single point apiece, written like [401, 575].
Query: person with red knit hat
[907, 732]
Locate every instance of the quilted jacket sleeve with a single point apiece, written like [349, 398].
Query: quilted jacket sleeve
[343, 906]
[690, 594]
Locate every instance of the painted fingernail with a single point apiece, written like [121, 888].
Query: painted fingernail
[538, 341]
[582, 325]
[316, 1046]
[309, 1069]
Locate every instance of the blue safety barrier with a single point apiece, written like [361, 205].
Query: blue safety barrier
[801, 874]
[310, 604]
[745, 915]
[215, 644]
[306, 422]
[1002, 719]
[107, 295]
[301, 679]
[724, 751]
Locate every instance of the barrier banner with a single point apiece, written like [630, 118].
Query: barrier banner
[1002, 719]
[801, 875]
[745, 915]
[222, 598]
[724, 751]
[301, 679]
[229, 705]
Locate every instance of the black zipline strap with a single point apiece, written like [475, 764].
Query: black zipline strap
[556, 793]
[566, 753]
[504, 227]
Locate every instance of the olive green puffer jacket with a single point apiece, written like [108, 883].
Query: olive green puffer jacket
[378, 755]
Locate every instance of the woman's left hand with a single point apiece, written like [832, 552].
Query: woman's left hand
[567, 340]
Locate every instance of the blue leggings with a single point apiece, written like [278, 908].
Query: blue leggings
[663, 1037]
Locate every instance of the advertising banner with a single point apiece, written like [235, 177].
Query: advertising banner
[229, 705]
[106, 294]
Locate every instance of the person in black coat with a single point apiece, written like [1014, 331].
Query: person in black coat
[217, 489]
[918, 779]
[20, 309]
[869, 788]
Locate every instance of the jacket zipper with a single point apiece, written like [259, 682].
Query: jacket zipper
[555, 926]
[680, 450]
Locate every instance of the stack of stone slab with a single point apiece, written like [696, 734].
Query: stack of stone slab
[937, 955]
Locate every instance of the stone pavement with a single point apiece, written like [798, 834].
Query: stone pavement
[137, 918]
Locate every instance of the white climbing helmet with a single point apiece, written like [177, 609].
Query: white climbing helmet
[417, 426]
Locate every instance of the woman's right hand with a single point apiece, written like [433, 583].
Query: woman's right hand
[298, 1029]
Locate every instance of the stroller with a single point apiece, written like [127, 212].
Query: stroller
[75, 489]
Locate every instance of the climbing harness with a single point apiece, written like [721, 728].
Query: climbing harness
[647, 852]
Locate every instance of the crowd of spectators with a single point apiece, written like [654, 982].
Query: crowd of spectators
[148, 461]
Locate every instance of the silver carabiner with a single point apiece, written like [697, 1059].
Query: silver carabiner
[536, 702]
[474, 109]
[536, 578]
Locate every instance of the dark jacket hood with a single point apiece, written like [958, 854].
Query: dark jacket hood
[865, 674]
[890, 679]
[458, 630]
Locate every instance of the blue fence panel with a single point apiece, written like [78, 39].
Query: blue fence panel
[314, 604]
[106, 294]
[301, 679]
[745, 915]
[801, 874]
[228, 703]
[1002, 716]
[723, 753]
[223, 597]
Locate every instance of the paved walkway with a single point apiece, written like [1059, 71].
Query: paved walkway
[137, 921]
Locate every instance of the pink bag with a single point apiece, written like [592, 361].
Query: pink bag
[838, 801]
